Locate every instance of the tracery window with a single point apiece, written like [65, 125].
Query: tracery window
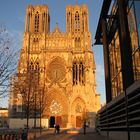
[31, 66]
[77, 21]
[43, 21]
[35, 40]
[77, 42]
[83, 22]
[36, 22]
[37, 66]
[78, 73]
[35, 46]
[55, 107]
[34, 66]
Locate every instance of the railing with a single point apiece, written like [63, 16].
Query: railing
[122, 113]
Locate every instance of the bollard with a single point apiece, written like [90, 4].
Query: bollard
[5, 135]
[12, 137]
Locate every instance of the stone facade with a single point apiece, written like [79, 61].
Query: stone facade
[65, 62]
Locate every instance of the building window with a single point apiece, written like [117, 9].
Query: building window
[77, 21]
[35, 40]
[36, 22]
[134, 28]
[35, 45]
[34, 66]
[77, 42]
[31, 66]
[115, 66]
[78, 73]
[137, 16]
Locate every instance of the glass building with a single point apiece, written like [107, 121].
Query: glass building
[119, 32]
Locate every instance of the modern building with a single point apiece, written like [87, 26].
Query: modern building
[119, 32]
[56, 70]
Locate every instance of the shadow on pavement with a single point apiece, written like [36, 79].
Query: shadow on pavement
[69, 134]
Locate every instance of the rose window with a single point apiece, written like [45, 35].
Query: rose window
[56, 71]
[55, 107]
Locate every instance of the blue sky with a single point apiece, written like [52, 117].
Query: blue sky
[12, 15]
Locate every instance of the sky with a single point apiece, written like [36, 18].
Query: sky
[12, 15]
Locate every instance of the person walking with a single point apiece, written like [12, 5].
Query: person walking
[84, 127]
[24, 135]
[55, 128]
[58, 129]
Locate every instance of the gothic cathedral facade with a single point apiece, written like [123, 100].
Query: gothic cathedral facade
[65, 62]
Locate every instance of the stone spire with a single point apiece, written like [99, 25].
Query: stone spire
[56, 28]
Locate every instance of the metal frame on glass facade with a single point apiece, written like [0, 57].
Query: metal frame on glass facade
[119, 32]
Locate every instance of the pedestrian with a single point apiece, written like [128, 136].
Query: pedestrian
[84, 127]
[58, 128]
[19, 134]
[55, 128]
[24, 135]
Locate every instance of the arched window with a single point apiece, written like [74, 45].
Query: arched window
[77, 42]
[82, 74]
[74, 73]
[35, 45]
[77, 21]
[83, 24]
[31, 66]
[78, 73]
[36, 28]
[43, 21]
[34, 66]
[35, 40]
[28, 22]
[37, 66]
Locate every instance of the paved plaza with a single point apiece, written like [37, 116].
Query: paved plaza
[50, 135]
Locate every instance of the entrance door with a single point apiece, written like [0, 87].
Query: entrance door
[52, 121]
[78, 121]
[59, 120]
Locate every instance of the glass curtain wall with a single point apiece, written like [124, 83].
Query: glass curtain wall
[134, 28]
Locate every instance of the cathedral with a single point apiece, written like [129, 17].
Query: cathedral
[61, 67]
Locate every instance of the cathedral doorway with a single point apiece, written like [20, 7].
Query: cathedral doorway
[59, 120]
[78, 110]
[78, 121]
[52, 121]
[55, 120]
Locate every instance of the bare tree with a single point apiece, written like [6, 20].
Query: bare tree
[8, 60]
[42, 103]
[32, 91]
[28, 90]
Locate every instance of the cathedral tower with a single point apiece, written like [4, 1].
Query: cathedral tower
[37, 19]
[77, 19]
[65, 66]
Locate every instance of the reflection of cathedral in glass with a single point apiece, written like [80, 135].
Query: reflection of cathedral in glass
[62, 63]
[114, 49]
